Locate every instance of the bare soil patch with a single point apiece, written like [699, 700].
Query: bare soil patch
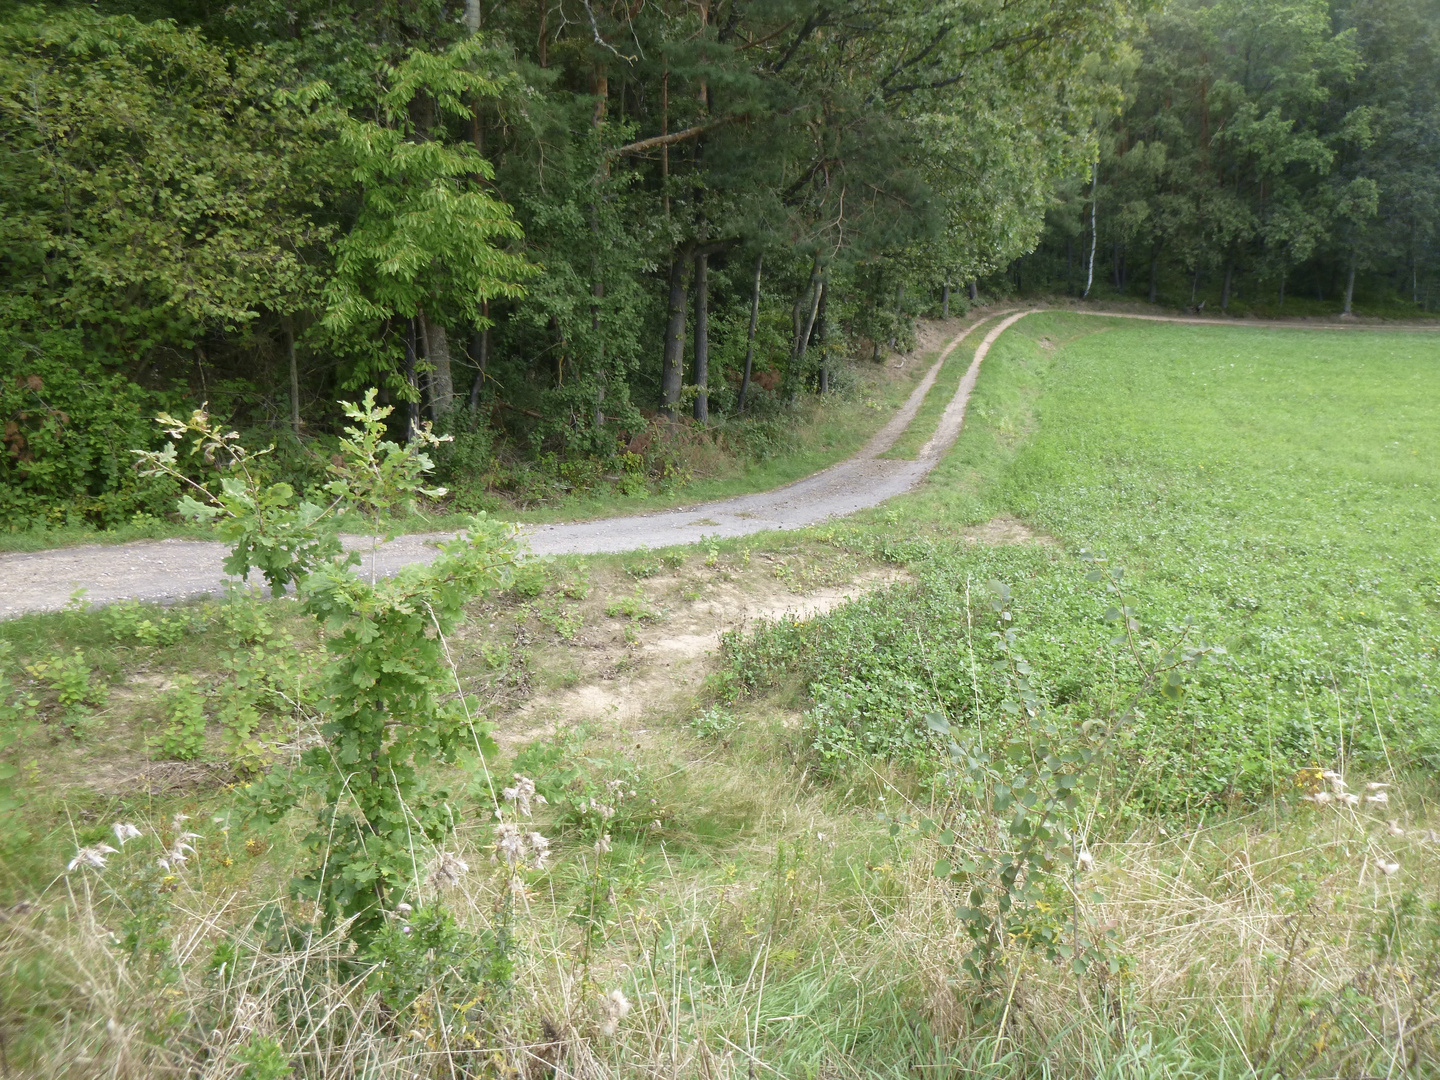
[1007, 530]
[635, 675]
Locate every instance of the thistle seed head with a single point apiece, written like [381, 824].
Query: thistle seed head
[446, 871]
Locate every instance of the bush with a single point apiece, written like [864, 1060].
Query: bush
[69, 423]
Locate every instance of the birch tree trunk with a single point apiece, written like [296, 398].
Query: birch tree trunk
[1094, 235]
[412, 407]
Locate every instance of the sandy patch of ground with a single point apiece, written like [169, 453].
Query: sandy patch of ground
[659, 673]
[1006, 530]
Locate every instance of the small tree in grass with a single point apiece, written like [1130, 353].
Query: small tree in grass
[389, 713]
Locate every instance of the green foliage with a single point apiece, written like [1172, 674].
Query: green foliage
[77, 693]
[1264, 157]
[634, 607]
[376, 476]
[183, 737]
[145, 624]
[267, 527]
[67, 419]
[426, 239]
[439, 978]
[16, 707]
[388, 660]
[254, 209]
[594, 796]
[270, 689]
[715, 723]
[263, 1058]
[154, 184]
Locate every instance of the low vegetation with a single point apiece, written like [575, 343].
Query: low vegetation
[1119, 763]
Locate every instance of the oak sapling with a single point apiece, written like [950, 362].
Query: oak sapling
[267, 526]
[386, 707]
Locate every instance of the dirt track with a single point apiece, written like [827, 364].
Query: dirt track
[168, 570]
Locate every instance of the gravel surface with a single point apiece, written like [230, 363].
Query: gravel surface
[169, 570]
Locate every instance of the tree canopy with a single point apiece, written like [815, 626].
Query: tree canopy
[544, 223]
[1267, 148]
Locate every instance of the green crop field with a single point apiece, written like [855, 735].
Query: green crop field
[1276, 487]
[1122, 765]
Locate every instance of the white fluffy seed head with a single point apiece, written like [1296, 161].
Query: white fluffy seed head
[92, 856]
[617, 1007]
[123, 831]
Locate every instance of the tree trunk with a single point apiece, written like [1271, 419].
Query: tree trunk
[1069, 264]
[1225, 289]
[670, 371]
[945, 301]
[974, 291]
[1154, 273]
[664, 130]
[294, 380]
[803, 345]
[442, 381]
[1094, 235]
[899, 307]
[412, 407]
[702, 337]
[821, 329]
[750, 338]
[1349, 286]
[480, 353]
[1282, 289]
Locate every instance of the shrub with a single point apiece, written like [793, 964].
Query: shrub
[68, 425]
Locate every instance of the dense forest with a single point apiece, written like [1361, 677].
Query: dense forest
[1274, 157]
[553, 229]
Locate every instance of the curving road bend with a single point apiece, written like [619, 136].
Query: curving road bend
[170, 570]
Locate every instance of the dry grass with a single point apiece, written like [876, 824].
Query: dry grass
[805, 942]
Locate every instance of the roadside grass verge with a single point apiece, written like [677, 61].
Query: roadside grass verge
[734, 456]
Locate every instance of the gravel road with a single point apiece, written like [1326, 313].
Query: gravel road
[169, 570]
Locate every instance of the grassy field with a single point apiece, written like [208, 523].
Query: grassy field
[1168, 578]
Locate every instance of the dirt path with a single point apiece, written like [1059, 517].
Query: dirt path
[168, 570]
